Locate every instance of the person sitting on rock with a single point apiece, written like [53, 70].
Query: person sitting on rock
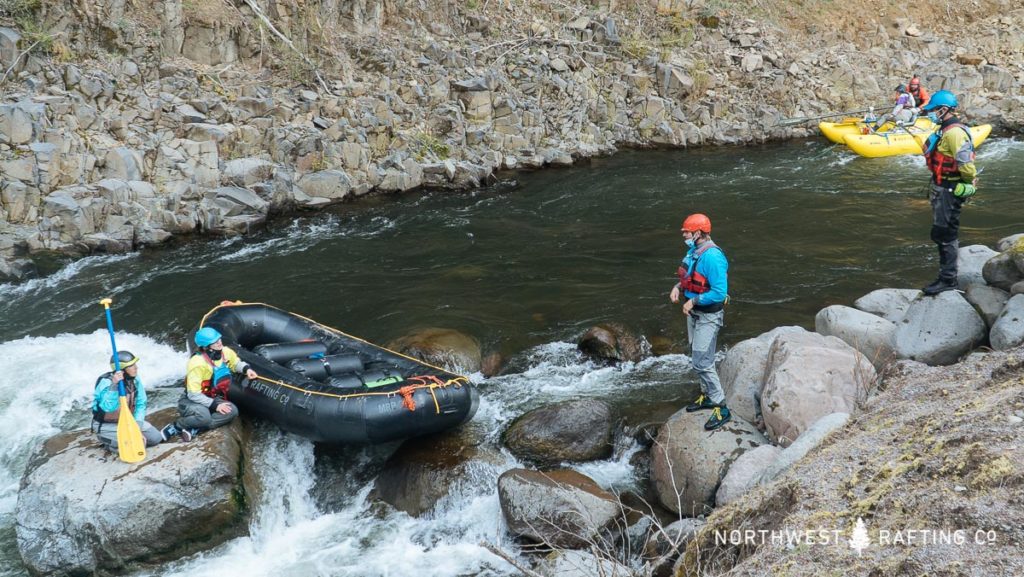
[904, 112]
[204, 405]
[106, 403]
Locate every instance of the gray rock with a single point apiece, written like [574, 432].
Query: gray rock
[80, 510]
[970, 262]
[574, 563]
[578, 430]
[559, 508]
[987, 300]
[889, 303]
[870, 334]
[742, 373]
[16, 124]
[9, 50]
[810, 376]
[1001, 271]
[333, 185]
[247, 171]
[938, 330]
[123, 163]
[1008, 242]
[1017, 288]
[689, 462]
[1008, 330]
[745, 472]
[811, 438]
[238, 201]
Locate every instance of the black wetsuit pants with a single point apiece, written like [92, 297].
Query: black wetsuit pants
[945, 227]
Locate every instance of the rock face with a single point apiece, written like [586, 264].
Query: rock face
[613, 342]
[689, 462]
[568, 431]
[560, 508]
[939, 330]
[81, 511]
[446, 348]
[811, 376]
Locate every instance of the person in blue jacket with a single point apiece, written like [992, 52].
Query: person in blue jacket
[106, 404]
[704, 283]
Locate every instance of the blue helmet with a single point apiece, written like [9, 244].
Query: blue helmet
[206, 336]
[940, 98]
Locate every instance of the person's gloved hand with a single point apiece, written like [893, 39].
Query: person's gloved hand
[963, 190]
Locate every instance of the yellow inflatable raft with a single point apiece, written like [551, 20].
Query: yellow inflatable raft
[838, 131]
[910, 141]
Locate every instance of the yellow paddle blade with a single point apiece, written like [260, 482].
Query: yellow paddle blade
[131, 447]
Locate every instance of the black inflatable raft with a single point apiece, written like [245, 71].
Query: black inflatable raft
[327, 386]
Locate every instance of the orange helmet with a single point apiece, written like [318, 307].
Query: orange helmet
[697, 222]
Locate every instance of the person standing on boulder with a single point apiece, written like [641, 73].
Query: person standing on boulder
[106, 404]
[704, 283]
[204, 404]
[949, 154]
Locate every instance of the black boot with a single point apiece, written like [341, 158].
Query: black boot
[702, 402]
[940, 285]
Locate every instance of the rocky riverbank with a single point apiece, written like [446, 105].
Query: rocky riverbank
[125, 124]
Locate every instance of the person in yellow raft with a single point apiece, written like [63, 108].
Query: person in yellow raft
[204, 404]
[949, 154]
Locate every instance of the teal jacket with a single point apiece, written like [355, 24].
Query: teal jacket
[106, 398]
[714, 267]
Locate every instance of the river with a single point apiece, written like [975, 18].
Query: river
[525, 267]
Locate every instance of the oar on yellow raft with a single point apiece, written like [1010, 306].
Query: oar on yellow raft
[131, 447]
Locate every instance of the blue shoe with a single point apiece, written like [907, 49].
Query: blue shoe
[169, 431]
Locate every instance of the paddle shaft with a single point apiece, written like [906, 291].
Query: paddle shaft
[789, 121]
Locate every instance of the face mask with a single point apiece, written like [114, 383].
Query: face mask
[934, 117]
[214, 354]
[689, 243]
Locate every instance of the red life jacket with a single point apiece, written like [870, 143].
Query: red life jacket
[691, 280]
[943, 166]
[220, 378]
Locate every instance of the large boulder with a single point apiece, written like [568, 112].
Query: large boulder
[970, 262]
[447, 348]
[938, 330]
[870, 334]
[889, 303]
[744, 473]
[579, 430]
[613, 342]
[689, 462]
[742, 373]
[573, 563]
[1001, 271]
[987, 300]
[81, 511]
[424, 470]
[1008, 330]
[558, 508]
[1006, 242]
[810, 376]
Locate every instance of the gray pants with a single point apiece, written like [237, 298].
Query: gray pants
[702, 332]
[945, 228]
[107, 434]
[193, 415]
